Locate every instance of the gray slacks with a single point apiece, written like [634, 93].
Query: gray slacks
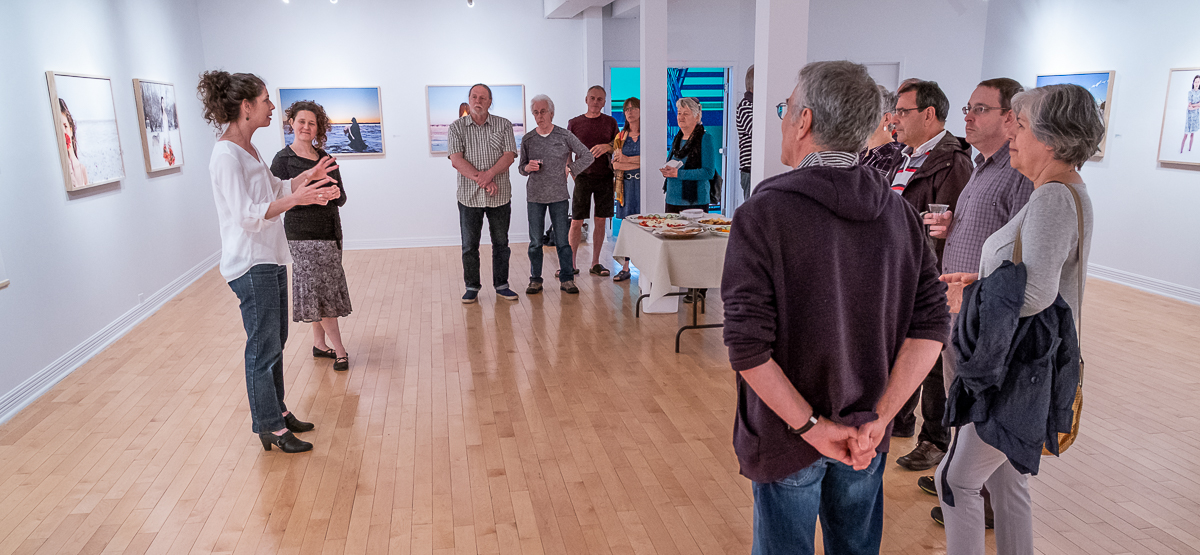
[969, 465]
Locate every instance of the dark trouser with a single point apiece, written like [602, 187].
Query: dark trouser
[745, 185]
[849, 502]
[932, 396]
[560, 221]
[677, 208]
[470, 223]
[264, 298]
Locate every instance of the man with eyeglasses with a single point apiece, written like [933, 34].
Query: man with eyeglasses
[936, 167]
[994, 194]
[823, 367]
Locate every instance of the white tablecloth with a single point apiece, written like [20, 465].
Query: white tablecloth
[665, 264]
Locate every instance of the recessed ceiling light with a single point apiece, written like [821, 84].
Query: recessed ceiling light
[470, 3]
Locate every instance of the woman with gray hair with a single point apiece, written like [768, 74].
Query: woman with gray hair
[1058, 129]
[693, 160]
[883, 151]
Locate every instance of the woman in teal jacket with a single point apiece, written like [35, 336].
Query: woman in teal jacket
[696, 152]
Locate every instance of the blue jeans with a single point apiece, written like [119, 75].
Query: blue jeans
[264, 300]
[470, 223]
[850, 503]
[560, 218]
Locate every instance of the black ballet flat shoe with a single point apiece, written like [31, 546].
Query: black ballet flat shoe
[341, 364]
[287, 442]
[329, 353]
[296, 425]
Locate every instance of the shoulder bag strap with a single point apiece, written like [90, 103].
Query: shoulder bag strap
[1079, 250]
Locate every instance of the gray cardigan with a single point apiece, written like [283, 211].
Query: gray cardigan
[549, 183]
[1049, 244]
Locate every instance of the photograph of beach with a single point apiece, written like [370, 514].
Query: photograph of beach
[85, 121]
[448, 103]
[1181, 119]
[1098, 83]
[161, 142]
[355, 115]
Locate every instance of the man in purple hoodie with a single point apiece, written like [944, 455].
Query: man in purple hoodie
[833, 316]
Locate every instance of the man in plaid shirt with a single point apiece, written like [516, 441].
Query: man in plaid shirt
[482, 147]
[995, 193]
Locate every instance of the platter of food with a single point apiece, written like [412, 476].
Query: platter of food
[664, 224]
[721, 230]
[639, 218]
[679, 232]
[716, 220]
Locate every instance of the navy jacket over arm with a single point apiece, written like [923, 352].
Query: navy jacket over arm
[1015, 377]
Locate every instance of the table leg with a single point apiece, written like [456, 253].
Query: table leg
[695, 319]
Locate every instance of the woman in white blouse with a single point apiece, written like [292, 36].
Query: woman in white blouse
[254, 249]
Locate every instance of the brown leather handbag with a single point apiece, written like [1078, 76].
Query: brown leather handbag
[1065, 440]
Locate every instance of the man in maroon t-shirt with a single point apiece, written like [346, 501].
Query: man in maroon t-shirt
[596, 130]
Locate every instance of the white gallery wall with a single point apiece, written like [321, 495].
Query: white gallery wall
[80, 262]
[406, 198]
[1146, 223]
[935, 40]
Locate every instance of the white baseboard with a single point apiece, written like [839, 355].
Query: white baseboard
[410, 242]
[12, 402]
[1148, 284]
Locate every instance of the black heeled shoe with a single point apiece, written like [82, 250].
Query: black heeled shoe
[287, 442]
[295, 424]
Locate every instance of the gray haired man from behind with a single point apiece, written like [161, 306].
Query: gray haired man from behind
[824, 368]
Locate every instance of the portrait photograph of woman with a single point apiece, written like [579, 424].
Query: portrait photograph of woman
[85, 121]
[1181, 119]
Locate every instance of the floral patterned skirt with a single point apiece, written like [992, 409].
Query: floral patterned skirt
[318, 281]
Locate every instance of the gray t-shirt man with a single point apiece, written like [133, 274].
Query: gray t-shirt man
[549, 183]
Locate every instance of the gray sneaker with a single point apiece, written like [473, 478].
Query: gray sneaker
[534, 288]
[569, 287]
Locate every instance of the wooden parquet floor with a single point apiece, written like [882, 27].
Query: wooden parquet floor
[559, 424]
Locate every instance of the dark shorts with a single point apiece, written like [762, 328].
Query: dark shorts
[587, 186]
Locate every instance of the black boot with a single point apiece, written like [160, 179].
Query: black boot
[295, 425]
[287, 442]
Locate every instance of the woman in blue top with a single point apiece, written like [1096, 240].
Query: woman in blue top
[687, 185]
[627, 159]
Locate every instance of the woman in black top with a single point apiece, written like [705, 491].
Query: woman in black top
[314, 234]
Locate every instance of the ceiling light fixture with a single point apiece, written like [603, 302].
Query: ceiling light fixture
[470, 3]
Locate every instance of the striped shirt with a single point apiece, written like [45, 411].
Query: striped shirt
[832, 158]
[482, 146]
[995, 193]
[744, 121]
[913, 158]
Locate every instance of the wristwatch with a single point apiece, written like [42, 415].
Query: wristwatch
[812, 421]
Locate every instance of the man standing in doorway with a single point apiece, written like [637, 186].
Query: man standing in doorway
[936, 167]
[596, 130]
[483, 192]
[745, 123]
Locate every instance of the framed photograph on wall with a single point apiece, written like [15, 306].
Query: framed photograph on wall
[446, 103]
[1099, 83]
[355, 115]
[85, 124]
[162, 145]
[1181, 118]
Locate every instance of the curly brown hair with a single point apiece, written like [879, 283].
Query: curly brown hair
[222, 94]
[323, 124]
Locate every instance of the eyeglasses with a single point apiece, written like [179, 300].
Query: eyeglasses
[781, 109]
[901, 111]
[979, 110]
